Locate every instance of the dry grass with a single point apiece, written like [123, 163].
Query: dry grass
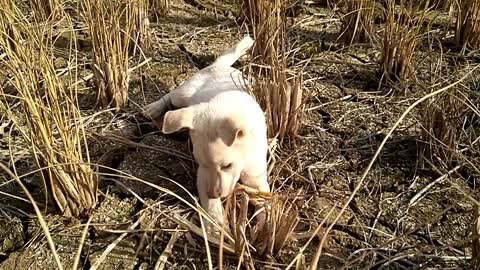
[54, 131]
[114, 26]
[40, 217]
[136, 13]
[441, 4]
[442, 118]
[159, 7]
[44, 10]
[467, 30]
[373, 160]
[282, 219]
[277, 88]
[475, 261]
[357, 18]
[400, 40]
[448, 123]
[251, 239]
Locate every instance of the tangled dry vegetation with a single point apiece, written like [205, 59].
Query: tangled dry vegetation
[53, 130]
[373, 115]
[276, 84]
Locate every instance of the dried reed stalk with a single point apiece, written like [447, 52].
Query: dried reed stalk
[281, 218]
[400, 40]
[137, 14]
[441, 4]
[357, 18]
[467, 31]
[111, 25]
[53, 130]
[159, 7]
[278, 89]
[441, 118]
[475, 261]
[430, 4]
[360, 182]
[47, 9]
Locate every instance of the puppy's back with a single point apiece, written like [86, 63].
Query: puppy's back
[240, 104]
[207, 83]
[217, 78]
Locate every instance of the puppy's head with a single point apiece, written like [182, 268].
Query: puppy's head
[219, 143]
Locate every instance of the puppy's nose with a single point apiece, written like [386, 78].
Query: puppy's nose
[214, 193]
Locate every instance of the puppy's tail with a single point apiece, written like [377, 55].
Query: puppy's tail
[233, 54]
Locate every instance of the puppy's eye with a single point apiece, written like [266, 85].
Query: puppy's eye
[226, 167]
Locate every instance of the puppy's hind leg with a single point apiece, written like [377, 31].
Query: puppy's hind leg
[155, 109]
[233, 54]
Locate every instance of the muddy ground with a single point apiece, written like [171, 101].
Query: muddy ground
[347, 115]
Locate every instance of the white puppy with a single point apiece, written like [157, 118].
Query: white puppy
[226, 125]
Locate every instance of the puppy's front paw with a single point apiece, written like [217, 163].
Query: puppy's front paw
[211, 228]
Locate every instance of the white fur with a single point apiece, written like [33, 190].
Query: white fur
[205, 84]
[227, 128]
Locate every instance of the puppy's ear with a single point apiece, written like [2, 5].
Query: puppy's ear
[178, 119]
[230, 131]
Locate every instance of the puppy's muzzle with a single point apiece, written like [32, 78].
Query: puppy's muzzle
[214, 192]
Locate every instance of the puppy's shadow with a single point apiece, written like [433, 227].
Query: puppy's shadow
[147, 126]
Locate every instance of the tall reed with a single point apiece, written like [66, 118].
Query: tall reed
[115, 27]
[52, 121]
[467, 30]
[277, 87]
[401, 37]
[357, 18]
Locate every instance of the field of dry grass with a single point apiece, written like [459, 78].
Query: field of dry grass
[373, 114]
